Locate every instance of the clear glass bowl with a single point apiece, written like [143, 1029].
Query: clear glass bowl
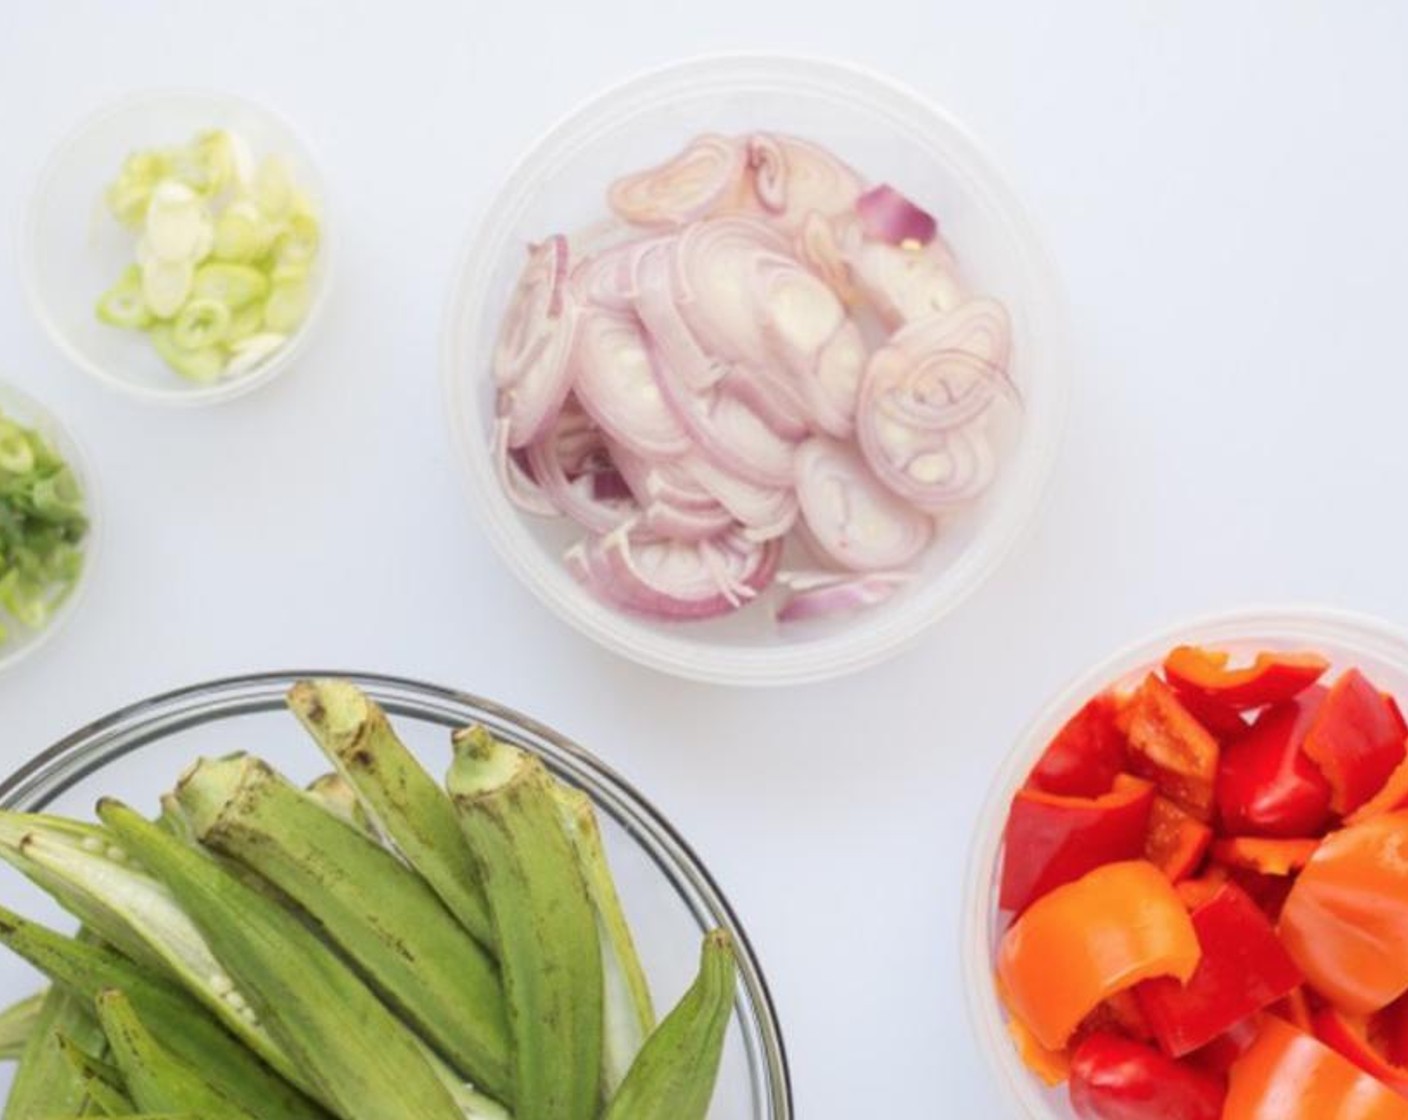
[72, 250]
[138, 752]
[889, 134]
[1380, 650]
[20, 406]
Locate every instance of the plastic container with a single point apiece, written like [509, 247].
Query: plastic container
[1380, 650]
[671, 900]
[73, 250]
[889, 134]
[24, 409]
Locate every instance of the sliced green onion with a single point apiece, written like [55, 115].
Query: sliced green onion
[287, 306]
[204, 365]
[123, 305]
[242, 233]
[234, 285]
[201, 323]
[166, 285]
[16, 454]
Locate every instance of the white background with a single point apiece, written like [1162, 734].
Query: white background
[1225, 189]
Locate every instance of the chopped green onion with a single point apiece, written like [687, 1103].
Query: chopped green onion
[201, 323]
[234, 285]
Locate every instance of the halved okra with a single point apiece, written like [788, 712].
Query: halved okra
[406, 803]
[360, 1057]
[45, 1083]
[629, 1010]
[17, 1025]
[383, 916]
[544, 925]
[675, 1074]
[180, 1023]
[155, 1079]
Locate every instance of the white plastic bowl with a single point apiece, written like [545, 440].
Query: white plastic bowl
[72, 250]
[1380, 650]
[24, 409]
[889, 134]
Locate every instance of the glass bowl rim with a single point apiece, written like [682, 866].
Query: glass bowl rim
[128, 729]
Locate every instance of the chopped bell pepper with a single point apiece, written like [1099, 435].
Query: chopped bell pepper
[1177, 841]
[1268, 857]
[1356, 739]
[1243, 969]
[1295, 1009]
[1394, 795]
[1051, 840]
[1348, 1035]
[1195, 892]
[1393, 1031]
[1266, 784]
[1345, 922]
[1218, 1055]
[1225, 722]
[1271, 679]
[1052, 1066]
[1290, 1075]
[1114, 1078]
[1171, 748]
[1086, 754]
[1267, 891]
[1077, 946]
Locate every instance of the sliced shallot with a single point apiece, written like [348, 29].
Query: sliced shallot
[565, 463]
[839, 594]
[683, 189]
[904, 284]
[888, 216]
[814, 181]
[616, 384]
[522, 490]
[532, 356]
[854, 520]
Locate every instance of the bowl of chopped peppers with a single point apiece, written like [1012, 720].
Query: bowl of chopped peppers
[1189, 895]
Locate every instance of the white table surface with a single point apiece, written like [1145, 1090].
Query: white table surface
[1225, 188]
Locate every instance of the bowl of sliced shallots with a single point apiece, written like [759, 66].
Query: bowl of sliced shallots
[756, 368]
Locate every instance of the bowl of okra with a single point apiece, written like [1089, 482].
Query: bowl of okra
[410, 902]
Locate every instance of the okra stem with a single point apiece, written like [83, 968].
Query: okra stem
[544, 926]
[335, 794]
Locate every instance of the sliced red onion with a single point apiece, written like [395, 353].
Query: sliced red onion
[673, 580]
[610, 486]
[834, 390]
[838, 594]
[518, 484]
[854, 520]
[932, 470]
[815, 181]
[768, 163]
[686, 523]
[774, 396]
[729, 433]
[685, 188]
[905, 284]
[656, 302]
[764, 512]
[607, 278]
[617, 385]
[889, 216]
[531, 358]
[718, 261]
[560, 461]
[820, 248]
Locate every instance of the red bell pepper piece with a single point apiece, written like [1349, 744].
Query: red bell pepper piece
[1356, 739]
[1226, 723]
[1269, 892]
[1295, 1009]
[1172, 749]
[1349, 1036]
[1219, 1054]
[1242, 970]
[1392, 797]
[1177, 841]
[1052, 840]
[1393, 1030]
[1266, 784]
[1114, 1078]
[1271, 679]
[1195, 892]
[1268, 857]
[1086, 754]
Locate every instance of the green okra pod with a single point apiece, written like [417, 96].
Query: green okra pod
[18, 1023]
[155, 1079]
[384, 917]
[179, 1023]
[361, 1058]
[336, 794]
[674, 1076]
[408, 807]
[103, 1087]
[544, 926]
[45, 1082]
[629, 1010]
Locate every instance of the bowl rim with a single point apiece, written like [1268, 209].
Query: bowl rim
[36, 414]
[1003, 529]
[181, 394]
[128, 729]
[1274, 623]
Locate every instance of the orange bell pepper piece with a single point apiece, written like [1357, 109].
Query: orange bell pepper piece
[1172, 749]
[1052, 1066]
[1270, 679]
[1289, 1075]
[1177, 841]
[1269, 857]
[1077, 946]
[1393, 796]
[1349, 1035]
[1345, 922]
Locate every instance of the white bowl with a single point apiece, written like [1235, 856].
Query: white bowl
[1380, 650]
[24, 409]
[72, 250]
[889, 134]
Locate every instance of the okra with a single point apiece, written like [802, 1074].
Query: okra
[382, 915]
[17, 1024]
[335, 794]
[91, 874]
[675, 1075]
[361, 1058]
[45, 1084]
[629, 1010]
[549, 950]
[103, 1087]
[173, 1016]
[405, 802]
[155, 1078]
